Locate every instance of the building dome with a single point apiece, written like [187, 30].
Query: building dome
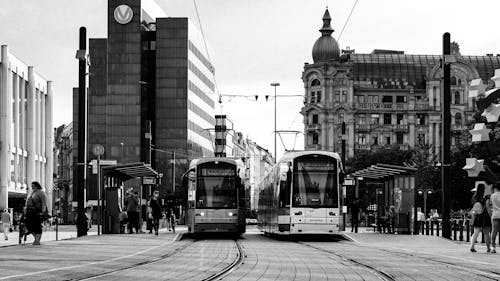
[326, 47]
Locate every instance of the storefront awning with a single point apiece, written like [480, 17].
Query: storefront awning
[129, 171]
[380, 171]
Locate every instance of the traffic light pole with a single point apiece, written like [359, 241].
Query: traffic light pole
[445, 168]
[81, 223]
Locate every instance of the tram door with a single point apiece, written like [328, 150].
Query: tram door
[189, 181]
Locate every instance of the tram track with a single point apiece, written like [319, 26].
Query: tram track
[382, 275]
[240, 257]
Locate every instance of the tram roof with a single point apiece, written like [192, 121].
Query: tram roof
[290, 155]
[231, 160]
[380, 171]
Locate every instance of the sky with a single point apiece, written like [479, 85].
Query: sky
[253, 43]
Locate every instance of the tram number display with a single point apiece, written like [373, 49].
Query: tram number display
[316, 166]
[216, 172]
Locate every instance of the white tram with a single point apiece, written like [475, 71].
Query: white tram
[301, 194]
[216, 195]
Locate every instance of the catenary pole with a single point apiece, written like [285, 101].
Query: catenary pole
[445, 168]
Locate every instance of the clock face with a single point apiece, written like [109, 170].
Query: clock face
[123, 14]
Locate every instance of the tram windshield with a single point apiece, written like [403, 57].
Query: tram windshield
[315, 182]
[216, 187]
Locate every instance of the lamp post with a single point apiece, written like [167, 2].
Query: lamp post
[446, 151]
[275, 85]
[425, 193]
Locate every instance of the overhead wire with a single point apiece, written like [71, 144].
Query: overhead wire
[347, 20]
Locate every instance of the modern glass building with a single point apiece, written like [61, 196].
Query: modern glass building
[385, 98]
[150, 68]
[25, 131]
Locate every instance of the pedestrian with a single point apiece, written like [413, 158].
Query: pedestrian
[5, 220]
[392, 219]
[36, 211]
[481, 217]
[172, 220]
[15, 220]
[355, 215]
[23, 232]
[168, 215]
[138, 220]
[155, 210]
[132, 214]
[495, 215]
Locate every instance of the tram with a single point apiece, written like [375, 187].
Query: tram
[301, 194]
[216, 195]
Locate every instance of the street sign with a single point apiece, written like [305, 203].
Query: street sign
[108, 162]
[148, 180]
[98, 150]
[349, 181]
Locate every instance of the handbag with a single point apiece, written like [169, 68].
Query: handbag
[150, 216]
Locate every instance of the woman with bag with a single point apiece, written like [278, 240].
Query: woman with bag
[481, 217]
[155, 211]
[36, 211]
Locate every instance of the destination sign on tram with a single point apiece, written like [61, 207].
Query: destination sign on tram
[215, 171]
[315, 166]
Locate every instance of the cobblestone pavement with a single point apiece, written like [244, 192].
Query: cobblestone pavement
[164, 257]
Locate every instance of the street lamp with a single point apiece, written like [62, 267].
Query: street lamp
[275, 85]
[425, 193]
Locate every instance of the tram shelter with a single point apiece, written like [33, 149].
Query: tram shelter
[113, 191]
[391, 185]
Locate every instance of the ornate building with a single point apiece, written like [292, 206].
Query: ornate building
[385, 98]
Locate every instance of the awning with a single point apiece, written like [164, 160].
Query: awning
[380, 171]
[129, 171]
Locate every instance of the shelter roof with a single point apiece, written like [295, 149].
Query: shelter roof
[129, 171]
[381, 171]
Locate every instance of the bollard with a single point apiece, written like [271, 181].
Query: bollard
[461, 228]
[437, 228]
[426, 227]
[467, 227]
[455, 230]
[482, 237]
[431, 223]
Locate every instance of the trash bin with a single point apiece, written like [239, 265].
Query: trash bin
[111, 211]
[403, 223]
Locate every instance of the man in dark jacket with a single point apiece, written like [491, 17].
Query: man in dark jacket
[132, 213]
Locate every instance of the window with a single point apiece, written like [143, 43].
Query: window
[420, 119]
[216, 187]
[399, 138]
[421, 138]
[362, 139]
[457, 97]
[315, 118]
[459, 82]
[375, 119]
[315, 82]
[361, 99]
[344, 96]
[315, 138]
[362, 119]
[313, 97]
[458, 119]
[318, 96]
[387, 99]
[399, 119]
[356, 99]
[375, 139]
[388, 140]
[400, 99]
[337, 96]
[387, 118]
[434, 96]
[453, 80]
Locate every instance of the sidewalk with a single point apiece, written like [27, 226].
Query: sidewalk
[64, 232]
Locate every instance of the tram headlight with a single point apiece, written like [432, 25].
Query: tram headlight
[202, 214]
[230, 214]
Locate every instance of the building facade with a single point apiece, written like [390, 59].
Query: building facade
[150, 68]
[385, 98]
[25, 131]
[63, 168]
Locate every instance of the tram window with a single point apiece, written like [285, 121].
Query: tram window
[285, 184]
[216, 187]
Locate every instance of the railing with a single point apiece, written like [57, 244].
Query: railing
[385, 105]
[313, 127]
[401, 127]
[403, 147]
[460, 231]
[363, 146]
[421, 105]
[363, 127]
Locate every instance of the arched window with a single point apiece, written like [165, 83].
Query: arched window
[458, 119]
[459, 82]
[453, 80]
[315, 82]
[457, 97]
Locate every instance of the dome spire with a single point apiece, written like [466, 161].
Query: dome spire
[327, 29]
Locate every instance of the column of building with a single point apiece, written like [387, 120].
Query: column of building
[30, 130]
[49, 156]
[22, 127]
[16, 146]
[42, 155]
[5, 123]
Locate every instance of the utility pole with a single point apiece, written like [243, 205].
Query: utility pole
[148, 136]
[275, 151]
[82, 133]
[445, 168]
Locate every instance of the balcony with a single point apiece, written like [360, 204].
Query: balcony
[386, 106]
[313, 127]
[459, 128]
[363, 146]
[400, 127]
[400, 106]
[363, 127]
[421, 105]
[404, 146]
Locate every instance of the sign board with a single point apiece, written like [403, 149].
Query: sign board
[108, 162]
[148, 180]
[349, 182]
[93, 163]
[123, 14]
[98, 150]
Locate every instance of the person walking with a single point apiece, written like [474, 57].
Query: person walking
[23, 232]
[392, 219]
[155, 210]
[5, 220]
[495, 215]
[172, 220]
[132, 214]
[355, 215]
[36, 211]
[481, 217]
